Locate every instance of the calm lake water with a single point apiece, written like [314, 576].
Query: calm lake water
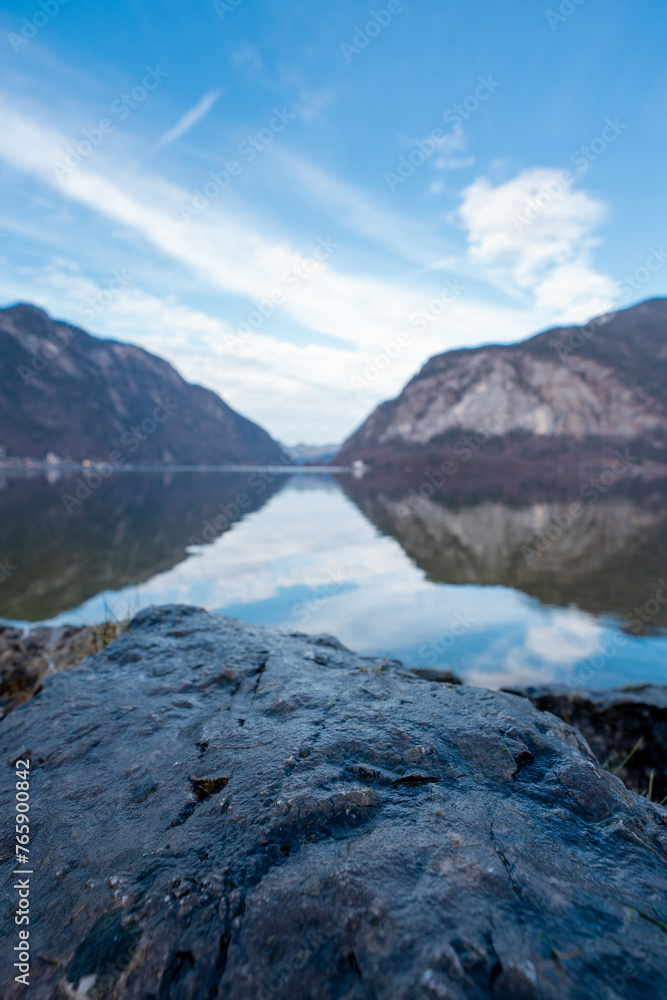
[445, 582]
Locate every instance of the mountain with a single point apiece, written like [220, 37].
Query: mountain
[66, 392]
[135, 526]
[608, 559]
[313, 454]
[574, 393]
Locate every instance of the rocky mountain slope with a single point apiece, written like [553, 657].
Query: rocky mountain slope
[66, 392]
[232, 812]
[562, 392]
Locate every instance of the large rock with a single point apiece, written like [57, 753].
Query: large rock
[220, 811]
[626, 728]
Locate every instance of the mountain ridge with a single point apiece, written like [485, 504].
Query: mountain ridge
[65, 391]
[563, 391]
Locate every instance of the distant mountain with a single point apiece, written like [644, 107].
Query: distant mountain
[313, 454]
[66, 392]
[572, 394]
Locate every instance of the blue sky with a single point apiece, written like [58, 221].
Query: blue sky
[312, 278]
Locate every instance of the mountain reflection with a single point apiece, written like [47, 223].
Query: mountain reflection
[137, 525]
[609, 558]
[131, 527]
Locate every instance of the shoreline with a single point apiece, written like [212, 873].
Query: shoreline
[33, 465]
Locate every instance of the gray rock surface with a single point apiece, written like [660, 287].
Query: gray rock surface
[223, 811]
[614, 722]
[28, 656]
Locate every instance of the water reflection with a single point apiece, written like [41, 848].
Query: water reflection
[131, 527]
[446, 584]
[607, 558]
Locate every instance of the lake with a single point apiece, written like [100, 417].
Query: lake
[501, 584]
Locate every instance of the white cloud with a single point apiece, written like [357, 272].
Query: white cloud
[536, 232]
[190, 118]
[453, 143]
[226, 251]
[312, 380]
[345, 314]
[568, 637]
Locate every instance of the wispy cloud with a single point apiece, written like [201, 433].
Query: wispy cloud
[393, 232]
[344, 313]
[230, 252]
[190, 118]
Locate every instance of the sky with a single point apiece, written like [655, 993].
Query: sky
[298, 204]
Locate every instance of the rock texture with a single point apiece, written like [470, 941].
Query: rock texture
[223, 811]
[614, 723]
[27, 657]
[66, 392]
[561, 392]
